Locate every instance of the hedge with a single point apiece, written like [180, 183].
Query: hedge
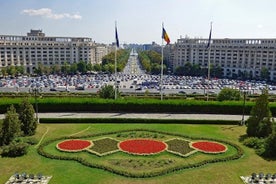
[75, 104]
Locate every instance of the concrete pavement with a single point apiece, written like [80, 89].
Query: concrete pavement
[139, 115]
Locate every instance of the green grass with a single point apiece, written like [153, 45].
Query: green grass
[73, 172]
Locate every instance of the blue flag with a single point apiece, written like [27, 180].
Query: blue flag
[116, 37]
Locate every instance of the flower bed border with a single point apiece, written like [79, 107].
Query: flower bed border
[209, 152]
[239, 153]
[142, 154]
[73, 151]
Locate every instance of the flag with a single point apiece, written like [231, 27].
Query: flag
[209, 40]
[165, 36]
[116, 37]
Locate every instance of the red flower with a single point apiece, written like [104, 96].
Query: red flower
[209, 147]
[74, 145]
[142, 146]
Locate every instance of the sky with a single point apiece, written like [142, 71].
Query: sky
[140, 21]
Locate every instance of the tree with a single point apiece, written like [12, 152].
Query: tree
[65, 68]
[81, 67]
[264, 74]
[97, 67]
[11, 127]
[107, 91]
[260, 122]
[270, 146]
[26, 116]
[228, 94]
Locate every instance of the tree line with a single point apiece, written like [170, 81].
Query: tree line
[151, 62]
[107, 65]
[190, 69]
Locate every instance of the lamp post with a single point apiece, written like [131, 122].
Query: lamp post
[243, 108]
[35, 90]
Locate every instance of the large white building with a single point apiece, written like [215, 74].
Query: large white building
[234, 56]
[36, 48]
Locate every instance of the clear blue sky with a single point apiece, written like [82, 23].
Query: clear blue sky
[140, 21]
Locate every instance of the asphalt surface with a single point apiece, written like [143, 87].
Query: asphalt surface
[139, 115]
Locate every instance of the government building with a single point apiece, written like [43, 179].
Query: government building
[236, 57]
[36, 48]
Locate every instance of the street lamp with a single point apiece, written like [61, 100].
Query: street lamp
[35, 90]
[243, 108]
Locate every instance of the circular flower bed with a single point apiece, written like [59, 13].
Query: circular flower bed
[209, 147]
[142, 146]
[74, 145]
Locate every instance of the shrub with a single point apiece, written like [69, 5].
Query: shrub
[229, 94]
[253, 142]
[14, 149]
[107, 91]
[30, 140]
[258, 144]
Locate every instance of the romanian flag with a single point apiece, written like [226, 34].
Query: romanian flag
[116, 37]
[165, 36]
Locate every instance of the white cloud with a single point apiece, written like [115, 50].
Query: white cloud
[47, 12]
[260, 26]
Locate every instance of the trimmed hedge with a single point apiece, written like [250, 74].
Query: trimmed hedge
[126, 173]
[137, 120]
[75, 104]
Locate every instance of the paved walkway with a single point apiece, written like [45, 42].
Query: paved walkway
[139, 115]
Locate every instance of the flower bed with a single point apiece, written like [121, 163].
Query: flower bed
[180, 147]
[142, 146]
[209, 147]
[74, 145]
[104, 146]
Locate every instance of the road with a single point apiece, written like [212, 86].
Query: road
[140, 115]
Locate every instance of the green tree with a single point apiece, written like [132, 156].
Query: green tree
[65, 68]
[107, 91]
[264, 74]
[26, 116]
[11, 70]
[73, 68]
[97, 67]
[270, 146]
[11, 127]
[19, 70]
[260, 122]
[228, 94]
[81, 67]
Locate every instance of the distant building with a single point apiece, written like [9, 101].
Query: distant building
[36, 48]
[234, 56]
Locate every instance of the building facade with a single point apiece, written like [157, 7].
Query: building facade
[36, 48]
[235, 56]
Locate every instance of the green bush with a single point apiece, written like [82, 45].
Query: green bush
[14, 149]
[256, 143]
[253, 142]
[229, 94]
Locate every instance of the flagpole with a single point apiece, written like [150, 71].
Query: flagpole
[162, 61]
[209, 55]
[116, 85]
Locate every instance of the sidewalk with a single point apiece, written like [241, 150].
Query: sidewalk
[140, 115]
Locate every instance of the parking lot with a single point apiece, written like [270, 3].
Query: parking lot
[132, 79]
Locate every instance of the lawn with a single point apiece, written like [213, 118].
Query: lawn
[73, 172]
